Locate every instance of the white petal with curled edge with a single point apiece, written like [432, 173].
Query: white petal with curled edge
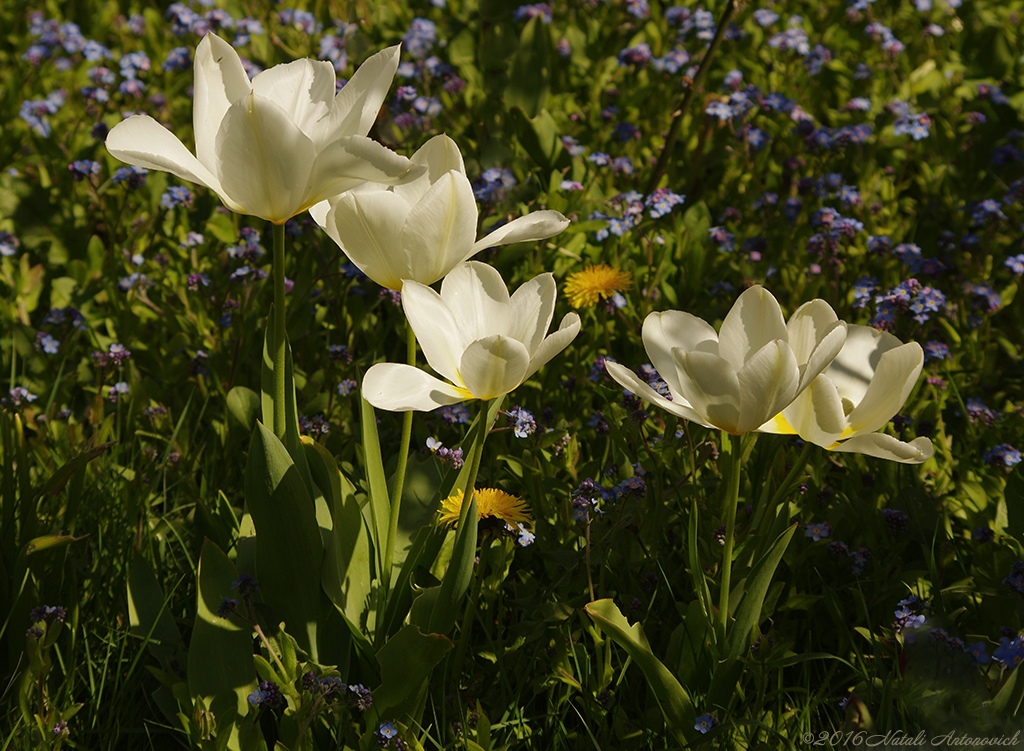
[662, 332]
[854, 367]
[884, 446]
[401, 388]
[440, 227]
[808, 326]
[754, 320]
[816, 414]
[478, 298]
[824, 354]
[493, 366]
[709, 383]
[628, 379]
[302, 88]
[348, 162]
[358, 103]
[437, 156]
[436, 328]
[538, 225]
[768, 384]
[555, 343]
[368, 227]
[531, 308]
[893, 380]
[264, 161]
[220, 81]
[142, 141]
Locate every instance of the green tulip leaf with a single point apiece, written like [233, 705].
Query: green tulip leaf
[220, 665]
[675, 703]
[289, 547]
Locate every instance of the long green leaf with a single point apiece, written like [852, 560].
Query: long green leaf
[675, 702]
[380, 503]
[748, 615]
[220, 665]
[289, 547]
[291, 415]
[346, 569]
[406, 661]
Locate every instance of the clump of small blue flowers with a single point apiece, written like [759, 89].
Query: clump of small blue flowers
[455, 414]
[493, 183]
[705, 722]
[908, 614]
[1010, 652]
[83, 169]
[1016, 578]
[522, 421]
[817, 531]
[451, 456]
[1003, 455]
[268, 696]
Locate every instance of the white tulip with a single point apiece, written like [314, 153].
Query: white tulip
[274, 146]
[473, 333]
[737, 380]
[857, 394]
[425, 227]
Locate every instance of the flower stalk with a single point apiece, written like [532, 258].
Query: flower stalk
[403, 459]
[731, 500]
[279, 331]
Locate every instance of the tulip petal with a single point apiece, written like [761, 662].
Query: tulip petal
[754, 320]
[628, 379]
[816, 414]
[349, 163]
[854, 367]
[824, 354]
[358, 103]
[263, 160]
[767, 384]
[663, 332]
[893, 380]
[437, 156]
[531, 309]
[220, 81]
[401, 388]
[555, 343]
[478, 298]
[884, 446]
[440, 228]
[538, 225]
[142, 141]
[302, 88]
[436, 328]
[808, 326]
[494, 366]
[710, 384]
[367, 225]
[816, 336]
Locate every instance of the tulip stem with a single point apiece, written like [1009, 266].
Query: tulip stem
[279, 331]
[732, 495]
[403, 458]
[476, 450]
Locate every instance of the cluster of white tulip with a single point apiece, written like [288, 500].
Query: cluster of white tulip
[286, 142]
[832, 383]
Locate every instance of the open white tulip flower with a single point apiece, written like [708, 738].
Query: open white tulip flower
[473, 333]
[424, 227]
[860, 391]
[274, 146]
[738, 379]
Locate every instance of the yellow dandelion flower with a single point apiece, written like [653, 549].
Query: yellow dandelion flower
[490, 503]
[585, 288]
